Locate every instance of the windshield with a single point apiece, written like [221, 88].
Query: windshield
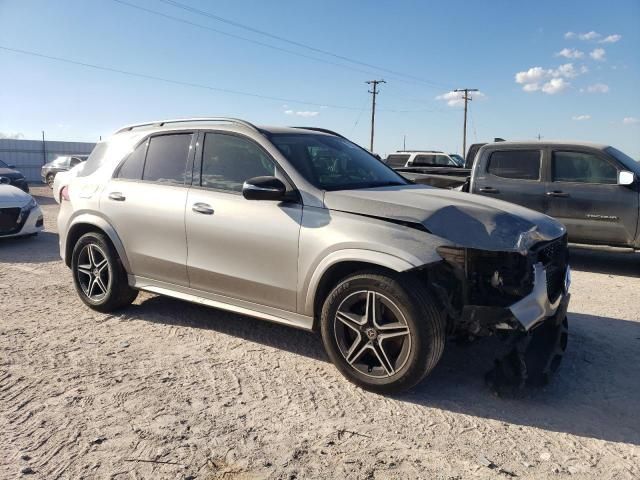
[3, 165]
[624, 159]
[334, 163]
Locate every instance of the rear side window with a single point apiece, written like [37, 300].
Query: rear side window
[579, 167]
[166, 160]
[132, 167]
[95, 159]
[520, 164]
[228, 160]
[397, 161]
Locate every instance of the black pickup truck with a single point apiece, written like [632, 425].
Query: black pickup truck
[593, 189]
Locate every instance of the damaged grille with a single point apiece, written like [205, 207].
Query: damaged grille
[9, 220]
[554, 256]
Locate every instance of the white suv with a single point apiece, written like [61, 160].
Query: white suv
[423, 158]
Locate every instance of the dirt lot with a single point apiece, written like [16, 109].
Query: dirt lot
[166, 389]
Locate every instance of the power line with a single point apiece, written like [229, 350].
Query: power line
[188, 84]
[373, 93]
[238, 37]
[296, 43]
[466, 99]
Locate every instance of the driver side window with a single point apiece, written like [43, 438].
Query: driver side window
[579, 167]
[229, 160]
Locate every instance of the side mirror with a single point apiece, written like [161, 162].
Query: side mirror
[625, 177]
[264, 188]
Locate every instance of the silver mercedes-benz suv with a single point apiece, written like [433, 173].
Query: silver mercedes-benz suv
[301, 226]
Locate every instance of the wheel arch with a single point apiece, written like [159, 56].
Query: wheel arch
[86, 223]
[341, 263]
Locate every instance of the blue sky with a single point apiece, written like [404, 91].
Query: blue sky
[564, 70]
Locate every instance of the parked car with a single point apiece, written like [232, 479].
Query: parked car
[423, 158]
[60, 164]
[19, 213]
[10, 176]
[302, 227]
[594, 190]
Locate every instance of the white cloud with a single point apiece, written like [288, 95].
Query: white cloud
[630, 120]
[301, 113]
[533, 75]
[589, 35]
[611, 38]
[598, 54]
[580, 118]
[596, 88]
[555, 85]
[570, 53]
[569, 35]
[455, 99]
[549, 81]
[11, 135]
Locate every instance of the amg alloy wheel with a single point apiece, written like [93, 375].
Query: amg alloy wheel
[383, 332]
[94, 275]
[98, 274]
[372, 334]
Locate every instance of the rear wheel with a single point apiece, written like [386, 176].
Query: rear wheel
[98, 275]
[384, 333]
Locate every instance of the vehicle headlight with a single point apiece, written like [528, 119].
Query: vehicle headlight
[24, 211]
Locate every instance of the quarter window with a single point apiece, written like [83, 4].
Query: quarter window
[167, 159]
[229, 160]
[520, 164]
[582, 167]
[132, 167]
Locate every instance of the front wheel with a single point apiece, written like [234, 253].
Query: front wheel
[98, 275]
[384, 333]
[50, 179]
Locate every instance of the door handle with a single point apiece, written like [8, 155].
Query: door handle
[117, 196]
[557, 193]
[489, 190]
[203, 208]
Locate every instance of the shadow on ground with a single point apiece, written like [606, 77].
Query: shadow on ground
[39, 249]
[614, 263]
[595, 393]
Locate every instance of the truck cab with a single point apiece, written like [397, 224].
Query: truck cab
[594, 190]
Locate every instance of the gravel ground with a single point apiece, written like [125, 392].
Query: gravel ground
[167, 389]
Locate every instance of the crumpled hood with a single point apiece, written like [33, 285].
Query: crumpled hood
[13, 196]
[468, 220]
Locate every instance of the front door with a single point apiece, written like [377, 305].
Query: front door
[239, 248]
[145, 203]
[583, 193]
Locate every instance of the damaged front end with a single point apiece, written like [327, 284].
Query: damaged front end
[520, 295]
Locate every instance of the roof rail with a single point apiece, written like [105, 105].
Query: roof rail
[162, 123]
[323, 130]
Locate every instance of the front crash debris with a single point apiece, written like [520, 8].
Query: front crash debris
[523, 298]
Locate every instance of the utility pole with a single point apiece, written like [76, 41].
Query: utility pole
[466, 99]
[373, 93]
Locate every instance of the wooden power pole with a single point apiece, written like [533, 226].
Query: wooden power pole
[373, 93]
[466, 99]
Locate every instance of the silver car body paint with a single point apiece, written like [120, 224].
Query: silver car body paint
[265, 259]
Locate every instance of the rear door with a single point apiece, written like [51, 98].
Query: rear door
[145, 203]
[513, 175]
[583, 193]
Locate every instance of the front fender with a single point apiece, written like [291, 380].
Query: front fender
[348, 255]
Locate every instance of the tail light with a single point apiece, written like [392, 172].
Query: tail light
[64, 193]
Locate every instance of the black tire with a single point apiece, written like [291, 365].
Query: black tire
[545, 351]
[50, 178]
[110, 293]
[413, 305]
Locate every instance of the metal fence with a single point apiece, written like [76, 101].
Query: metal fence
[28, 156]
